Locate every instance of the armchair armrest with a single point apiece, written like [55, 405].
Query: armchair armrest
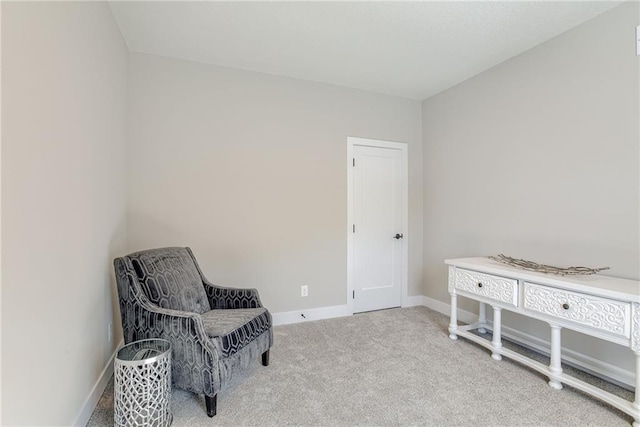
[225, 298]
[189, 342]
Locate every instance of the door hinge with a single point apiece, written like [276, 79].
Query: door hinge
[354, 162]
[354, 228]
[353, 295]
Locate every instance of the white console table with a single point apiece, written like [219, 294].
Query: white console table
[603, 307]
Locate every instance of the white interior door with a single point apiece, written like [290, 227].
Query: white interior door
[377, 231]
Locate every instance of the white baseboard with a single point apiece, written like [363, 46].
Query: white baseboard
[444, 308]
[593, 366]
[298, 316]
[91, 401]
[412, 301]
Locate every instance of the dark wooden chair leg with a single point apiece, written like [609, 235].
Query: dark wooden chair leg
[212, 405]
[265, 358]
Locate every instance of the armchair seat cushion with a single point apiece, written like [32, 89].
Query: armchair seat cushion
[235, 328]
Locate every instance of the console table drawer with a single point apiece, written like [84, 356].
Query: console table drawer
[487, 285]
[587, 310]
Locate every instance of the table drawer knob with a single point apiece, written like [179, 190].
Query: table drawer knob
[565, 306]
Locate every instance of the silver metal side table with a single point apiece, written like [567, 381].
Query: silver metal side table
[142, 384]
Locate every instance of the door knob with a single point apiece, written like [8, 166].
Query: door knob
[398, 236]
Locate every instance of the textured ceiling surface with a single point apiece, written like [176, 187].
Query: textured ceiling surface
[408, 49]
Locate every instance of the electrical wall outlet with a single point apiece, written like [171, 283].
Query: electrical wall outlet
[110, 331]
[304, 291]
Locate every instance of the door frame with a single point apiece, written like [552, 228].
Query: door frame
[403, 147]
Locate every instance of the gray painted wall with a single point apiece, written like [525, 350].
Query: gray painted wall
[63, 204]
[250, 170]
[538, 158]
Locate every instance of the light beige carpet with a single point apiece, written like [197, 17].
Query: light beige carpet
[387, 368]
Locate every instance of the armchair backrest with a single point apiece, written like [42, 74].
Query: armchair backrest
[170, 279]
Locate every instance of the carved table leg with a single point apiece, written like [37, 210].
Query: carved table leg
[555, 367]
[497, 333]
[453, 325]
[482, 318]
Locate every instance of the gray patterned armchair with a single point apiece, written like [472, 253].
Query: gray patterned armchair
[215, 332]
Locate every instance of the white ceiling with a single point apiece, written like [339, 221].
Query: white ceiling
[408, 49]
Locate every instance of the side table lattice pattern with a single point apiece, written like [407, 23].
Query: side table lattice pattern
[142, 384]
